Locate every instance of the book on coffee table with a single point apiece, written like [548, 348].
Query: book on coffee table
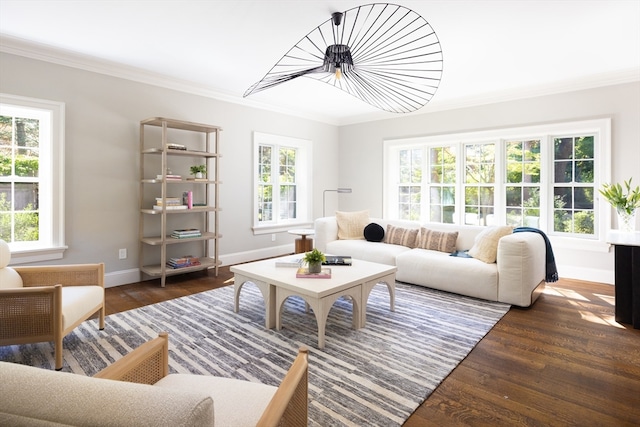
[303, 273]
[337, 260]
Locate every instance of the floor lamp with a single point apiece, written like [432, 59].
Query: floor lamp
[324, 198]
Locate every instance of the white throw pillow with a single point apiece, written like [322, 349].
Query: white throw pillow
[485, 247]
[351, 224]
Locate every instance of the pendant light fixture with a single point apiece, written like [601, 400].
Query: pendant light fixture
[384, 54]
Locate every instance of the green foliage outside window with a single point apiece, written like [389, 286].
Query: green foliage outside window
[26, 223]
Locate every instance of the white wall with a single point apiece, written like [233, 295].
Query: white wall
[361, 151]
[102, 146]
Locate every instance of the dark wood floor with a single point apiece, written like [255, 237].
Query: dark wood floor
[564, 361]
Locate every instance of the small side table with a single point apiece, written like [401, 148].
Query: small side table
[303, 244]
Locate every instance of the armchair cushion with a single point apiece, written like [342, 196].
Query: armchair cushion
[77, 301]
[228, 395]
[70, 399]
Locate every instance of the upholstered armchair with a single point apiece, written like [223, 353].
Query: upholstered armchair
[46, 303]
[137, 389]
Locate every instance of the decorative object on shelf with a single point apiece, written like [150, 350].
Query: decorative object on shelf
[626, 203]
[383, 54]
[198, 171]
[314, 260]
[324, 199]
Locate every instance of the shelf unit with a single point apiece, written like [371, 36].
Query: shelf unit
[202, 143]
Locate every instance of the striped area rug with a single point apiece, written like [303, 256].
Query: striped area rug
[375, 376]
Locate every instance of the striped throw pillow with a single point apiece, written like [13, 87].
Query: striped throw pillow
[437, 240]
[401, 236]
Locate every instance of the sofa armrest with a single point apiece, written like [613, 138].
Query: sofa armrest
[326, 230]
[146, 364]
[65, 275]
[521, 268]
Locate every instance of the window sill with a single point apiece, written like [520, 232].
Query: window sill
[36, 255]
[577, 244]
[280, 228]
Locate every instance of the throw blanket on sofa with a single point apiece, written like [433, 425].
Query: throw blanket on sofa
[552, 271]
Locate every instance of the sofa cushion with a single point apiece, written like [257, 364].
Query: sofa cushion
[351, 224]
[374, 232]
[401, 236]
[70, 399]
[228, 396]
[437, 240]
[485, 247]
[438, 270]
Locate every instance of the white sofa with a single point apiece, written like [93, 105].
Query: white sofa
[517, 277]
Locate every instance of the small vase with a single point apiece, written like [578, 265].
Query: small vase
[315, 267]
[199, 175]
[626, 220]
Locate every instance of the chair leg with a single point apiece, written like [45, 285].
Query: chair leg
[101, 318]
[58, 353]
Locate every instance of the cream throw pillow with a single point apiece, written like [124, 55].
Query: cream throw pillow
[351, 224]
[485, 247]
[437, 240]
[401, 236]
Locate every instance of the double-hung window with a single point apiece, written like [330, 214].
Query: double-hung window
[544, 176]
[31, 177]
[282, 182]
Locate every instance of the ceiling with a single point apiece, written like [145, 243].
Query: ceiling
[493, 50]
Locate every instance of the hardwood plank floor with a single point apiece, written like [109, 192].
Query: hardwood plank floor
[564, 361]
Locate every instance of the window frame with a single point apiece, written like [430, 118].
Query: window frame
[51, 244]
[600, 128]
[303, 182]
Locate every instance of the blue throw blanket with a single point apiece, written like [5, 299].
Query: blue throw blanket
[552, 271]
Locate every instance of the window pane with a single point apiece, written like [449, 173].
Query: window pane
[583, 198]
[584, 147]
[563, 148]
[584, 171]
[563, 172]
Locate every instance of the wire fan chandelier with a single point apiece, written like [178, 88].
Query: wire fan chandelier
[384, 54]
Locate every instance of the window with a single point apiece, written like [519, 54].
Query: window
[544, 176]
[282, 182]
[31, 178]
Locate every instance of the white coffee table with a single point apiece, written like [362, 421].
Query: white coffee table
[278, 283]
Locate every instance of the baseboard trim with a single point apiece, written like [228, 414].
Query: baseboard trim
[125, 277]
[587, 274]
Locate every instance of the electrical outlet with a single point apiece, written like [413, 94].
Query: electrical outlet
[122, 253]
[273, 237]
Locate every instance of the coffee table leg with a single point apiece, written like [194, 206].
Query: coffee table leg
[268, 294]
[390, 281]
[321, 308]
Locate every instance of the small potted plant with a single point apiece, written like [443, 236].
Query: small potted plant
[314, 260]
[626, 202]
[198, 170]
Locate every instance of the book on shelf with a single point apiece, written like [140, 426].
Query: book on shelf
[169, 177]
[187, 199]
[337, 260]
[291, 263]
[185, 261]
[303, 273]
[174, 146]
[186, 233]
[169, 207]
